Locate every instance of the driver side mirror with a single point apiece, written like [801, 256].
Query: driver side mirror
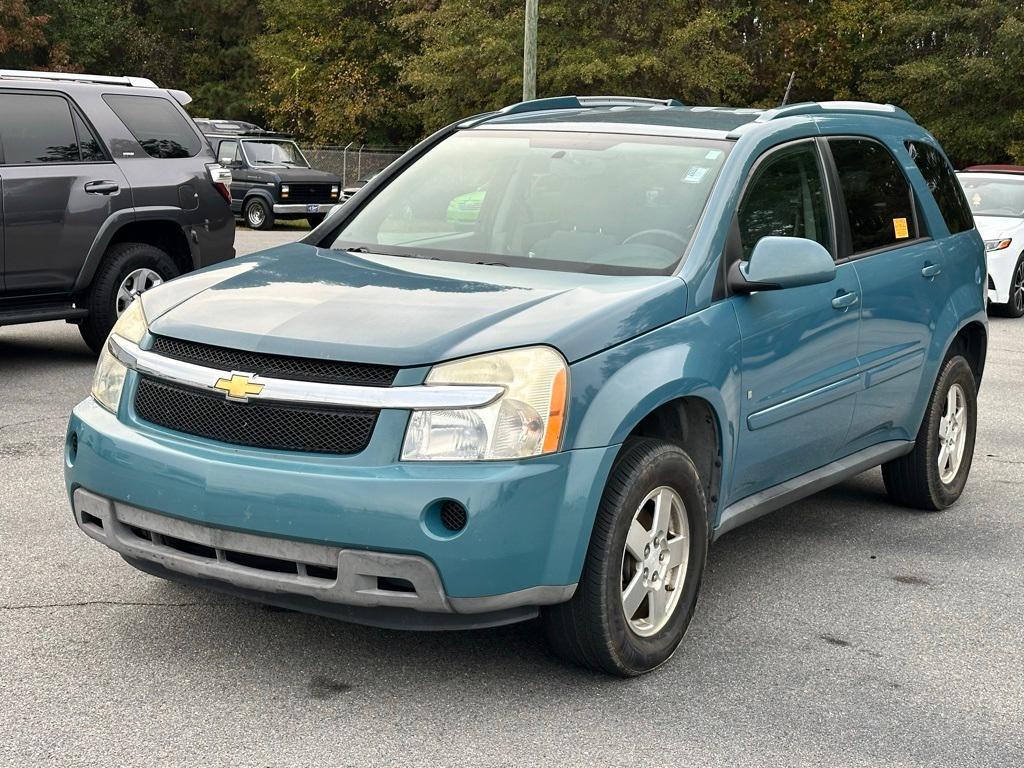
[782, 262]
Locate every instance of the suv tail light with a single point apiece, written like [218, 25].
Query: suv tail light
[221, 178]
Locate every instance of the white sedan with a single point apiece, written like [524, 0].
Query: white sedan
[996, 196]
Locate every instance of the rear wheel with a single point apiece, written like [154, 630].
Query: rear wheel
[258, 214]
[128, 270]
[643, 568]
[1015, 306]
[933, 475]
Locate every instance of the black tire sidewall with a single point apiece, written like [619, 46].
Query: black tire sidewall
[316, 220]
[268, 220]
[120, 261]
[955, 371]
[666, 465]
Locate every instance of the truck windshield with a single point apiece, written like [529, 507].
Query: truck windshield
[993, 195]
[581, 202]
[280, 153]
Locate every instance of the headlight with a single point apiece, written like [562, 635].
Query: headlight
[108, 380]
[334, 191]
[284, 190]
[997, 245]
[525, 421]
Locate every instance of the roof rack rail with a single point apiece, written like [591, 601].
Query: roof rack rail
[569, 102]
[28, 74]
[833, 107]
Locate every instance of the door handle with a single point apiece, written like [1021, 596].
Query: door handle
[102, 187]
[931, 270]
[845, 301]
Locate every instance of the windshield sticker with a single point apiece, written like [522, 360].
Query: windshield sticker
[713, 154]
[901, 229]
[695, 174]
[976, 200]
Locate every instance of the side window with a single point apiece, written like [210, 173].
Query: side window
[228, 153]
[92, 150]
[879, 203]
[785, 197]
[941, 180]
[157, 125]
[37, 129]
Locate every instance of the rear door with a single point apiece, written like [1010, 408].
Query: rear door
[799, 345]
[902, 274]
[58, 189]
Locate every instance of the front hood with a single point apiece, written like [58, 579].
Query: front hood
[311, 302]
[303, 176]
[997, 227]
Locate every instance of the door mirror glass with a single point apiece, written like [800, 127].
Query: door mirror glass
[783, 262]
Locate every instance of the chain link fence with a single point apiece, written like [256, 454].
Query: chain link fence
[353, 161]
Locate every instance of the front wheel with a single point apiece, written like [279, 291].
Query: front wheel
[1014, 307]
[933, 475]
[643, 567]
[315, 219]
[258, 214]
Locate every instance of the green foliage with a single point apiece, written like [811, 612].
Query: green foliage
[389, 71]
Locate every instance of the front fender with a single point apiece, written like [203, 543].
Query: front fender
[696, 356]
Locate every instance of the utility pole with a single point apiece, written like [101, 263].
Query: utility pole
[530, 52]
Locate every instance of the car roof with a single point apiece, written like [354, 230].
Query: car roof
[1018, 169]
[69, 82]
[620, 114]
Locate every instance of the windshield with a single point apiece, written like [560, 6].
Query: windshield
[280, 153]
[582, 202]
[994, 196]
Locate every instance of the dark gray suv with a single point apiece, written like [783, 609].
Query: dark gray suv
[106, 189]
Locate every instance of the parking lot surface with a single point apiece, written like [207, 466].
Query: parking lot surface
[840, 631]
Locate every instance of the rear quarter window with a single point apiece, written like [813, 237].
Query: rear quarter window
[946, 190]
[157, 125]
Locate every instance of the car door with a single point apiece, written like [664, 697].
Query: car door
[903, 279]
[59, 187]
[799, 345]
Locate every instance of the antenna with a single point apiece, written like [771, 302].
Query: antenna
[785, 98]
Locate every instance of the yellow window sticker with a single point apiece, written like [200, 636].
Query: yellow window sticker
[901, 229]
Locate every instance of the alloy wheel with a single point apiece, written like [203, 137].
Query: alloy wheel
[134, 285]
[952, 434]
[1017, 288]
[654, 561]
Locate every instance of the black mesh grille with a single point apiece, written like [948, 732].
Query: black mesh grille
[259, 425]
[453, 515]
[276, 366]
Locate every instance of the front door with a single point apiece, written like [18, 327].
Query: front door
[58, 188]
[799, 345]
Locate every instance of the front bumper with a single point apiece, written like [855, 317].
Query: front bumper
[528, 524]
[304, 208]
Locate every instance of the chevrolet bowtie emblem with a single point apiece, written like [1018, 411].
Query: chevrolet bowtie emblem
[238, 387]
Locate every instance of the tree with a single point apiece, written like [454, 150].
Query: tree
[21, 33]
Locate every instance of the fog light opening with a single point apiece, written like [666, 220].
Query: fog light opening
[453, 515]
[445, 518]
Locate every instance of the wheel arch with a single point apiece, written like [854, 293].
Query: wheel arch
[159, 227]
[972, 342]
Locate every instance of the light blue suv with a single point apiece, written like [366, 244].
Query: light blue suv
[661, 323]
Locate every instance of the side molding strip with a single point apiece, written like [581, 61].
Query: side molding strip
[770, 499]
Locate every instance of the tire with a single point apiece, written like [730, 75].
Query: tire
[106, 300]
[1015, 306]
[257, 214]
[315, 219]
[915, 480]
[592, 629]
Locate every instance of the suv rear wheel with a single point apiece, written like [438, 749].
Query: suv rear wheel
[933, 475]
[258, 214]
[128, 270]
[643, 568]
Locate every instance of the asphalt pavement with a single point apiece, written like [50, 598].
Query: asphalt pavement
[840, 631]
